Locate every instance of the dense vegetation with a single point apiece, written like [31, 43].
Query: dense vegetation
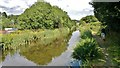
[19, 38]
[48, 47]
[109, 16]
[42, 30]
[43, 15]
[8, 21]
[43, 44]
[88, 19]
[108, 13]
[40, 15]
[88, 49]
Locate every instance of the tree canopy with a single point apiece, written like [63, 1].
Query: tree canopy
[40, 15]
[7, 21]
[108, 13]
[89, 19]
[43, 15]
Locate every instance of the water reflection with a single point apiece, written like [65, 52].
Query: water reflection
[41, 54]
[17, 60]
[55, 54]
[65, 58]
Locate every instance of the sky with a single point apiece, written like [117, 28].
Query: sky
[76, 9]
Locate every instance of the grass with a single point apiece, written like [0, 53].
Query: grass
[113, 45]
[94, 27]
[41, 43]
[110, 47]
[25, 37]
[88, 30]
[51, 44]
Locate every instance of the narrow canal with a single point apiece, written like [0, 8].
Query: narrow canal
[51, 56]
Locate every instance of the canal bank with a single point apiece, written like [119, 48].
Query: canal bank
[64, 59]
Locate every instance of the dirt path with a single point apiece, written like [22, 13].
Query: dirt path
[104, 45]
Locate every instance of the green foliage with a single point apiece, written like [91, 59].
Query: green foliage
[86, 34]
[20, 38]
[42, 55]
[94, 27]
[90, 23]
[8, 21]
[43, 15]
[50, 44]
[113, 43]
[4, 14]
[87, 50]
[89, 19]
[108, 13]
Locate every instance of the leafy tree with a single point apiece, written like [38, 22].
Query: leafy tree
[4, 14]
[8, 21]
[108, 13]
[89, 19]
[43, 15]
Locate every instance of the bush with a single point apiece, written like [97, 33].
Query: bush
[87, 50]
[86, 34]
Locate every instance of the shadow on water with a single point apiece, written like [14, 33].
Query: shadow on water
[54, 54]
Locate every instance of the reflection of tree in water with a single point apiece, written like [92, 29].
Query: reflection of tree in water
[43, 54]
[4, 53]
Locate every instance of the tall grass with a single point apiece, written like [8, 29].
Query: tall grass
[19, 38]
[94, 27]
[113, 45]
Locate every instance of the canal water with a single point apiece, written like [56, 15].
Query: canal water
[47, 56]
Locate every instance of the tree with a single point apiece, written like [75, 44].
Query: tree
[89, 19]
[4, 14]
[108, 13]
[43, 15]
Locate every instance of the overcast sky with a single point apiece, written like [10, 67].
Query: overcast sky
[76, 9]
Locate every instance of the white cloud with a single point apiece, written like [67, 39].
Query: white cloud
[10, 5]
[76, 9]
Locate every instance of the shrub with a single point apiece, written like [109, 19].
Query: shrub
[87, 50]
[86, 34]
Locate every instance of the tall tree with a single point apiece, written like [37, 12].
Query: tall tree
[4, 14]
[43, 15]
[108, 13]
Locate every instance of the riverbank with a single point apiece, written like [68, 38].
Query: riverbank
[37, 54]
[30, 41]
[93, 53]
[26, 37]
[110, 47]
